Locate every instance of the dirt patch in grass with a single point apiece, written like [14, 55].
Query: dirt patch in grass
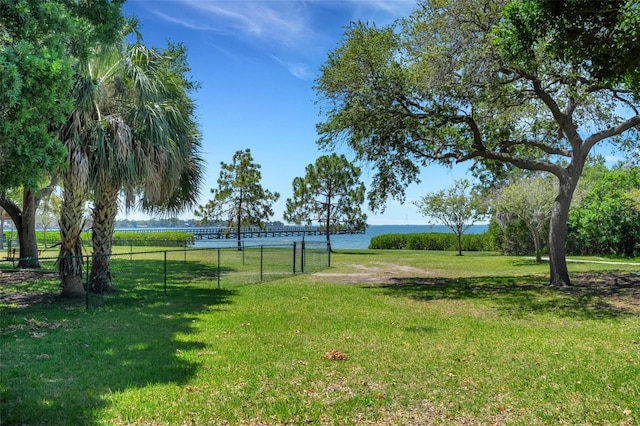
[375, 273]
[621, 291]
[11, 295]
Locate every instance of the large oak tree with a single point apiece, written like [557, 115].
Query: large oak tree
[449, 84]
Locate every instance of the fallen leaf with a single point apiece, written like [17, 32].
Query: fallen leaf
[335, 355]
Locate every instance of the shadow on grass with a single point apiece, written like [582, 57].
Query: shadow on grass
[60, 364]
[592, 296]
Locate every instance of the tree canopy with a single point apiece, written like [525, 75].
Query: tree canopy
[40, 41]
[448, 85]
[529, 200]
[607, 218]
[457, 208]
[330, 193]
[240, 198]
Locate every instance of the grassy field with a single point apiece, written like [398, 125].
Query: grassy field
[381, 337]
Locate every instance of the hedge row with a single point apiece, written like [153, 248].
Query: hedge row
[124, 238]
[432, 241]
[164, 239]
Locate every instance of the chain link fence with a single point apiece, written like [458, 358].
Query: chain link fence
[165, 271]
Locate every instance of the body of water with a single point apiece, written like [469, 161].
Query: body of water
[355, 241]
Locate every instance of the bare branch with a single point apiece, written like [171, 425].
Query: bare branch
[627, 102]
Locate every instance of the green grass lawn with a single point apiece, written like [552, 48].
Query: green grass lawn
[429, 338]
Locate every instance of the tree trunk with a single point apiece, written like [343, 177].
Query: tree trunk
[558, 231]
[1, 228]
[27, 232]
[536, 243]
[70, 260]
[537, 248]
[24, 219]
[105, 209]
[327, 231]
[459, 235]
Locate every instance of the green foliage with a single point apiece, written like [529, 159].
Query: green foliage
[512, 238]
[581, 32]
[125, 238]
[455, 208]
[35, 82]
[525, 201]
[239, 199]
[330, 193]
[39, 43]
[158, 239]
[607, 221]
[432, 241]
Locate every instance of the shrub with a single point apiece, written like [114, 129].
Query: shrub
[432, 241]
[163, 239]
[512, 239]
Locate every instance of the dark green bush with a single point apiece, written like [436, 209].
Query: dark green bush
[123, 238]
[432, 241]
[162, 239]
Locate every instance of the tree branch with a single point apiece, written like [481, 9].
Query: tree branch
[12, 208]
[627, 102]
[611, 131]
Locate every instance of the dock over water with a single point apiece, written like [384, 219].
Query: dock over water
[225, 232]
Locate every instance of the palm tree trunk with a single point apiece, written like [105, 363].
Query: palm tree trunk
[71, 222]
[105, 209]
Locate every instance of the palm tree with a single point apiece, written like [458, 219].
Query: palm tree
[137, 135]
[150, 150]
[75, 135]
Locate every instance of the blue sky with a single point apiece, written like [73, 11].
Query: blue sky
[256, 62]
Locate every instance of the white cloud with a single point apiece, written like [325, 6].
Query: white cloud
[283, 28]
[297, 69]
[182, 22]
[395, 8]
[283, 22]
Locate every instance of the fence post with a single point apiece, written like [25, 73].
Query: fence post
[294, 258]
[261, 262]
[88, 289]
[165, 273]
[218, 268]
[302, 256]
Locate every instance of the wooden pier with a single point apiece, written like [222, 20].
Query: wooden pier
[223, 232]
